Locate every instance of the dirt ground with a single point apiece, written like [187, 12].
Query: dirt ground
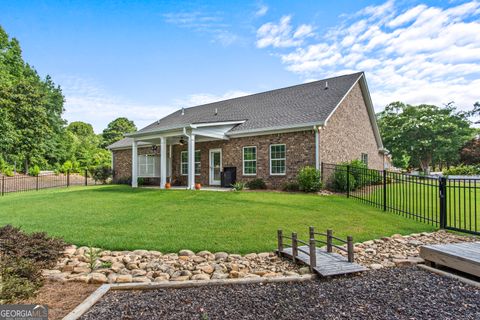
[61, 298]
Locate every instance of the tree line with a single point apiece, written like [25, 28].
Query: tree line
[33, 133]
[430, 137]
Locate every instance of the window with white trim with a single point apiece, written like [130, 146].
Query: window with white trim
[278, 159]
[364, 158]
[147, 165]
[184, 162]
[249, 161]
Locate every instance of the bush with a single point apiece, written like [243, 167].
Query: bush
[19, 279]
[340, 181]
[34, 171]
[309, 179]
[101, 173]
[67, 166]
[8, 172]
[291, 187]
[38, 247]
[462, 170]
[238, 186]
[256, 184]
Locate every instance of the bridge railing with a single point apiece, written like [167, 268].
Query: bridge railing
[312, 245]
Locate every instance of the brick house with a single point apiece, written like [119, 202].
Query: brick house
[269, 135]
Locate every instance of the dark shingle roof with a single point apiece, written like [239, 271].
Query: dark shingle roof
[291, 106]
[304, 103]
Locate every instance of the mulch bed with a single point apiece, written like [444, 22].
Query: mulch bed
[399, 293]
[61, 297]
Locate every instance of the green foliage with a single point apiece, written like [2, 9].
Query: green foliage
[238, 186]
[92, 254]
[291, 187]
[256, 184]
[426, 134]
[309, 179]
[101, 173]
[32, 129]
[19, 278]
[34, 171]
[343, 181]
[116, 130]
[462, 170]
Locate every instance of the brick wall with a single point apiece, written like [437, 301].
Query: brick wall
[349, 133]
[122, 163]
[300, 151]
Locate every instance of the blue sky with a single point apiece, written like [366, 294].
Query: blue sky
[145, 59]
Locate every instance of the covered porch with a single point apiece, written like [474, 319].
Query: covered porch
[161, 166]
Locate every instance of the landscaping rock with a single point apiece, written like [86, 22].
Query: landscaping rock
[96, 277]
[124, 278]
[187, 253]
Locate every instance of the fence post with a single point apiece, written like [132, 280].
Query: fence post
[442, 193]
[384, 190]
[3, 185]
[311, 231]
[348, 181]
[86, 177]
[329, 240]
[280, 241]
[313, 255]
[36, 183]
[350, 248]
[68, 178]
[294, 246]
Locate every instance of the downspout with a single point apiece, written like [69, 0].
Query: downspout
[317, 151]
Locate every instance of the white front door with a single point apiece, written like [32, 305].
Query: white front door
[215, 166]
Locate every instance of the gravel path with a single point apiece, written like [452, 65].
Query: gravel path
[400, 293]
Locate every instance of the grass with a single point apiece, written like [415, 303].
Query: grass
[121, 218]
[421, 199]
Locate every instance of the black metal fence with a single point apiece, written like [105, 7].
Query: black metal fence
[20, 183]
[441, 201]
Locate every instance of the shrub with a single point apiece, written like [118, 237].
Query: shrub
[309, 179]
[256, 184]
[34, 171]
[101, 173]
[67, 166]
[38, 247]
[19, 278]
[291, 187]
[7, 171]
[462, 170]
[340, 181]
[238, 186]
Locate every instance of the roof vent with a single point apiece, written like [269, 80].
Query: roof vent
[216, 111]
[183, 111]
[326, 85]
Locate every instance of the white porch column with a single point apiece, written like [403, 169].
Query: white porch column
[191, 161]
[163, 162]
[134, 164]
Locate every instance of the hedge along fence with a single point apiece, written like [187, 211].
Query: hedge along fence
[449, 203]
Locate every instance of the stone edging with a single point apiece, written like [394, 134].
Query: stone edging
[82, 308]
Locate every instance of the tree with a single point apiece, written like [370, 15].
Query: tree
[470, 153]
[116, 130]
[425, 133]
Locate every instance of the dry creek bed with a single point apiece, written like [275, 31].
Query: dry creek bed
[153, 266]
[392, 293]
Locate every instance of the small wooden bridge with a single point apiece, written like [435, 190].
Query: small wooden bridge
[323, 261]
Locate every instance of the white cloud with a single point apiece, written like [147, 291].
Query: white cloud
[261, 11]
[421, 54]
[211, 24]
[282, 34]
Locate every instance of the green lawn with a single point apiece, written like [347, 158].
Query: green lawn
[121, 218]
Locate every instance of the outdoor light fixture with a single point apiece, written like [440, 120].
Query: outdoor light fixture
[154, 148]
[182, 142]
